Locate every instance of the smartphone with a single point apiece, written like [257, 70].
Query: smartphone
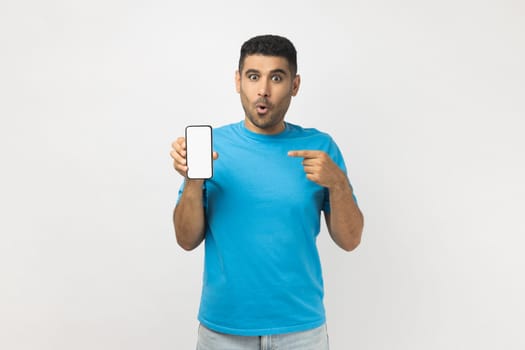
[199, 151]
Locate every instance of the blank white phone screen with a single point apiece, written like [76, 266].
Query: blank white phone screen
[199, 151]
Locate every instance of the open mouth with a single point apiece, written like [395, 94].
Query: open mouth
[262, 108]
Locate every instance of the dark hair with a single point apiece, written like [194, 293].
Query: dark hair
[270, 45]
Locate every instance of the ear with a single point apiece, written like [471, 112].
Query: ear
[237, 81]
[295, 84]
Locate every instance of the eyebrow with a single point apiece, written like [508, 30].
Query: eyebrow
[279, 70]
[255, 71]
[251, 71]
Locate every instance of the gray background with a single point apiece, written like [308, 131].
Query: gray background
[425, 98]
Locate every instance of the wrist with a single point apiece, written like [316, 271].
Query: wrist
[193, 183]
[340, 184]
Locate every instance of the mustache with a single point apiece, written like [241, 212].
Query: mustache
[264, 101]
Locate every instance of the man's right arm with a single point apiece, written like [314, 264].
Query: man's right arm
[189, 218]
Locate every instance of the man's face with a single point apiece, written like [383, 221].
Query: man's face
[266, 86]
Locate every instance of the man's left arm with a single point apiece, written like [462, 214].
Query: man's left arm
[345, 220]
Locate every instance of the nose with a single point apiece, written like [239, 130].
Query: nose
[264, 88]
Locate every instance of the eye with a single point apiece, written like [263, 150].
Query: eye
[276, 78]
[253, 77]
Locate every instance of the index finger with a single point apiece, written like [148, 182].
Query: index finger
[304, 153]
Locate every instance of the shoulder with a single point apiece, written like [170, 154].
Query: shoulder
[312, 138]
[225, 128]
[227, 131]
[300, 131]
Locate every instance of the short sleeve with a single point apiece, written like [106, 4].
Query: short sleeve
[204, 194]
[335, 153]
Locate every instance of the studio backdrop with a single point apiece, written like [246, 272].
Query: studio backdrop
[425, 100]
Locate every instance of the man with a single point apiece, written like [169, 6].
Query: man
[260, 213]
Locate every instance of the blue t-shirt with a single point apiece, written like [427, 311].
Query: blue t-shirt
[262, 273]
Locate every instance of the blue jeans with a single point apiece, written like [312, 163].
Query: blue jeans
[314, 339]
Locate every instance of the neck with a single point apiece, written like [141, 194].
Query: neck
[270, 130]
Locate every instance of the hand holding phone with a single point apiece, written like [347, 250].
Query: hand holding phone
[199, 151]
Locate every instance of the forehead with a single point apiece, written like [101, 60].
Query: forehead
[264, 63]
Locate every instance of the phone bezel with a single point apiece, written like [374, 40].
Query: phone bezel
[188, 150]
